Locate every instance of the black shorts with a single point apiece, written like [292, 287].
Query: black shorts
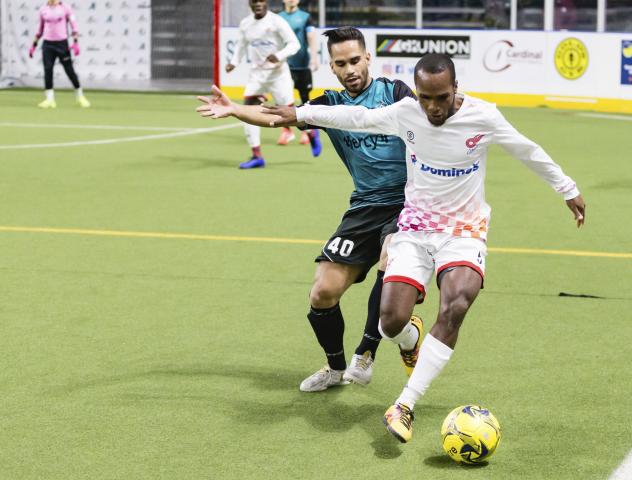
[52, 50]
[302, 79]
[359, 237]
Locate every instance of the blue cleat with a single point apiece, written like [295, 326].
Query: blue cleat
[314, 140]
[254, 162]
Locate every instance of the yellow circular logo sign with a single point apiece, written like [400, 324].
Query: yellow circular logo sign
[571, 58]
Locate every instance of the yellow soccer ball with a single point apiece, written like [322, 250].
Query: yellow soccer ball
[470, 434]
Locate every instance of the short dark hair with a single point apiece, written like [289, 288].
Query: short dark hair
[436, 63]
[344, 34]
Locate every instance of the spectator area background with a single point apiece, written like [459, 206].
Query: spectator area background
[131, 44]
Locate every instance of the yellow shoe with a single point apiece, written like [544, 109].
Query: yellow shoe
[83, 101]
[409, 357]
[47, 104]
[399, 422]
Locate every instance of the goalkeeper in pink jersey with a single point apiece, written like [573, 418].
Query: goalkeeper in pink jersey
[54, 18]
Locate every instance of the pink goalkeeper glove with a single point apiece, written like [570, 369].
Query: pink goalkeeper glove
[75, 49]
[32, 50]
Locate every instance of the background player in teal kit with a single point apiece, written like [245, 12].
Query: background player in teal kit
[302, 64]
[378, 168]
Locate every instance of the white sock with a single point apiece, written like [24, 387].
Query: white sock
[79, 92]
[433, 356]
[50, 95]
[406, 339]
[253, 135]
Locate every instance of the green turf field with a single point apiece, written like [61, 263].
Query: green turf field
[177, 354]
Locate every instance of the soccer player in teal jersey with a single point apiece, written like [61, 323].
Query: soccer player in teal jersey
[378, 168]
[302, 63]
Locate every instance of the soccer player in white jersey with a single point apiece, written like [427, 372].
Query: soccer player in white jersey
[443, 226]
[269, 41]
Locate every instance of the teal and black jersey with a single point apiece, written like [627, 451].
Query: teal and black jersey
[301, 23]
[377, 163]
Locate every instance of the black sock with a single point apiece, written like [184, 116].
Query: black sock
[329, 327]
[371, 338]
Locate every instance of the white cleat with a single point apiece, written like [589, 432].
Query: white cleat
[322, 380]
[360, 370]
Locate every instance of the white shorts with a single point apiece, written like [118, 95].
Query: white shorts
[277, 82]
[414, 256]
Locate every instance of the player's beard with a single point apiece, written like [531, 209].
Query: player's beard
[357, 84]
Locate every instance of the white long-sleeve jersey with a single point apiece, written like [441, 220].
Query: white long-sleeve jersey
[446, 165]
[263, 37]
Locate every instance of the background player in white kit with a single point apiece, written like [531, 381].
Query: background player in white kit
[444, 223]
[269, 40]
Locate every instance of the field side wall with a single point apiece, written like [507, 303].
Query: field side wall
[578, 70]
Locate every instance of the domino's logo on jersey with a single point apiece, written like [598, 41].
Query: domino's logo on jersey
[472, 143]
[448, 172]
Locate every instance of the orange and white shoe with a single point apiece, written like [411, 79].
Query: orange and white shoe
[286, 137]
[304, 138]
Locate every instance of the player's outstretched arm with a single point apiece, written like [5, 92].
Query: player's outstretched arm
[218, 105]
[343, 117]
[536, 159]
[281, 116]
[578, 207]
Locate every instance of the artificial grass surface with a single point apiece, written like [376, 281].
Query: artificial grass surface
[174, 358]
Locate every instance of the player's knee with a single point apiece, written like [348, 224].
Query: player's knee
[392, 320]
[323, 295]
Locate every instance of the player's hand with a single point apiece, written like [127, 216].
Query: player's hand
[272, 58]
[75, 49]
[229, 67]
[578, 207]
[286, 114]
[217, 97]
[314, 64]
[32, 50]
[217, 105]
